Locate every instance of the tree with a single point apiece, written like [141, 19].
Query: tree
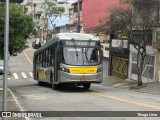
[21, 27]
[144, 17]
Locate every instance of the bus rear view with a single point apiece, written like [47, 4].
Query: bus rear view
[74, 58]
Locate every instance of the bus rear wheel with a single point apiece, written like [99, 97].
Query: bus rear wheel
[55, 86]
[86, 86]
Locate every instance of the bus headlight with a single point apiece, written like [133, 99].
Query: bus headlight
[64, 69]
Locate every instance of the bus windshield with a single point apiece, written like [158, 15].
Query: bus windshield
[81, 56]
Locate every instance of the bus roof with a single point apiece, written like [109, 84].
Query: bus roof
[68, 36]
[76, 36]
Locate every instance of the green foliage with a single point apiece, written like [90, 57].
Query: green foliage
[61, 9]
[21, 27]
[51, 8]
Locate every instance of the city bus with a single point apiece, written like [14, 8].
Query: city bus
[69, 58]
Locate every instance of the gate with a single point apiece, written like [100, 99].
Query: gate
[120, 67]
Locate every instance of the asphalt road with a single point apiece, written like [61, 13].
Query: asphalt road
[99, 98]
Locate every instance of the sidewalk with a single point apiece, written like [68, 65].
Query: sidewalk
[151, 88]
[11, 104]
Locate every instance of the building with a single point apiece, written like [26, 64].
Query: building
[75, 17]
[35, 8]
[43, 23]
[59, 22]
[95, 14]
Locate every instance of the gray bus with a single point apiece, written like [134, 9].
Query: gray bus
[72, 58]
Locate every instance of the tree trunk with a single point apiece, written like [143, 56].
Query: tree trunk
[139, 63]
[140, 77]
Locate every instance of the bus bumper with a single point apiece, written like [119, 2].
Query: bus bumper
[80, 78]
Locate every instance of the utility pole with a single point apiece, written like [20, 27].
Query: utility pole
[5, 76]
[6, 45]
[78, 22]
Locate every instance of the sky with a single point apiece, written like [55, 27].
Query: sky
[70, 1]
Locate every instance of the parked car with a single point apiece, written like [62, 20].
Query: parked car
[1, 66]
[36, 44]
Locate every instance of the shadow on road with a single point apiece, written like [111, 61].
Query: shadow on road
[67, 88]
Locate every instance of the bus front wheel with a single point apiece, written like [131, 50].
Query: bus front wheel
[87, 86]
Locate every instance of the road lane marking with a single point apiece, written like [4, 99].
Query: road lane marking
[29, 60]
[31, 74]
[125, 100]
[15, 76]
[24, 75]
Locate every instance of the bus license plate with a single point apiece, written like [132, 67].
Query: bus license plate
[83, 79]
[83, 70]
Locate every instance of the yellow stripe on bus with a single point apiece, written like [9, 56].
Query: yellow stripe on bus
[41, 74]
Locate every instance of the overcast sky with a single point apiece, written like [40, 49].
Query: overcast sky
[70, 1]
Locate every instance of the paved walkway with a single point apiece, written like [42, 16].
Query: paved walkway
[11, 104]
[151, 88]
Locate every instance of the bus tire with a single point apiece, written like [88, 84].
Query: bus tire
[86, 86]
[40, 83]
[55, 86]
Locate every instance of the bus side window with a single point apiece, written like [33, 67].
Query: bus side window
[40, 59]
[61, 56]
[43, 58]
[52, 49]
[37, 58]
[48, 57]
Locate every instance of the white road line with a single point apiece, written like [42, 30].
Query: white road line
[15, 76]
[24, 75]
[31, 74]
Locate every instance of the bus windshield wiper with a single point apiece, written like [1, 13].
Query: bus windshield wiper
[75, 48]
